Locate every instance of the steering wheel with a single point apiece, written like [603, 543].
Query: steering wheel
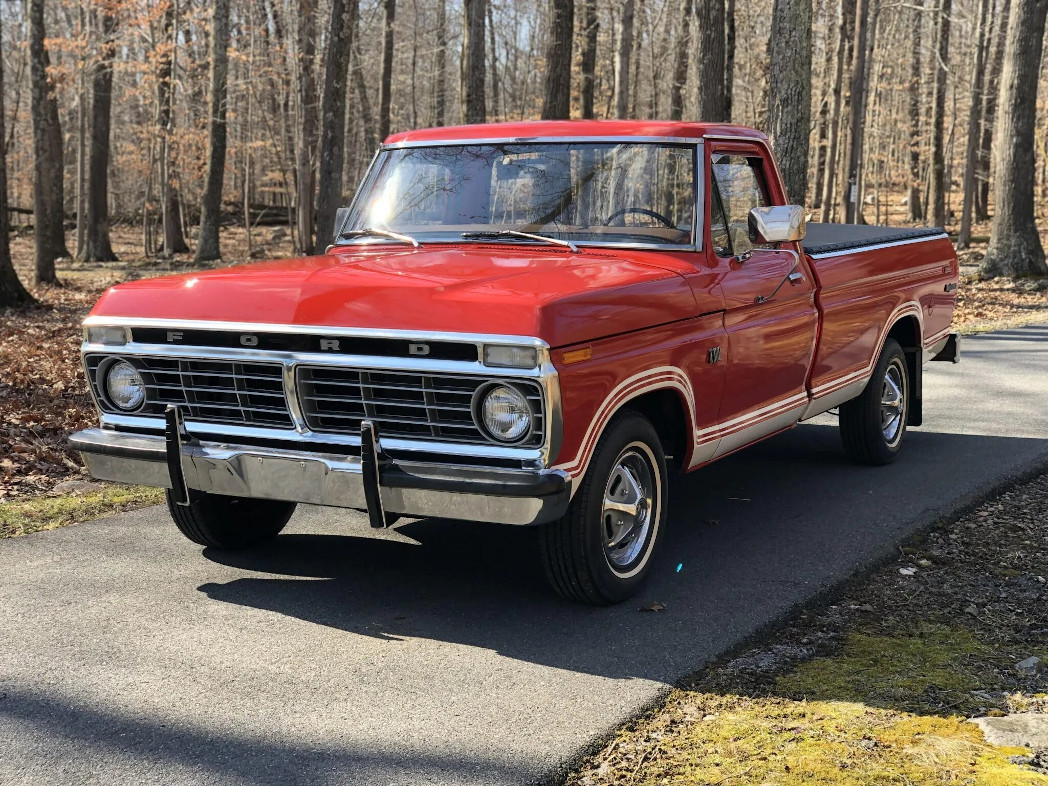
[643, 211]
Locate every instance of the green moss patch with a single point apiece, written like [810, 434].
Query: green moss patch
[32, 514]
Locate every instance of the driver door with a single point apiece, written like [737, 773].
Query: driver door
[770, 316]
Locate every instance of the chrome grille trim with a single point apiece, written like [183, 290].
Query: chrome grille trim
[403, 404]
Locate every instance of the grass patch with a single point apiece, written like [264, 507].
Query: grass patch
[718, 739]
[33, 514]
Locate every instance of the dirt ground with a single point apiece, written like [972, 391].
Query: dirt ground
[43, 395]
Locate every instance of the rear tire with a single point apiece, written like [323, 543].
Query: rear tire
[601, 551]
[220, 522]
[874, 423]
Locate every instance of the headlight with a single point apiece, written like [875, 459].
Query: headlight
[503, 413]
[124, 386]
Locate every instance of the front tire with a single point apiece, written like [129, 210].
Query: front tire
[229, 523]
[601, 551]
[874, 423]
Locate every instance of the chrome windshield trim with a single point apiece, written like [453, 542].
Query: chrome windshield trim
[545, 140]
[320, 330]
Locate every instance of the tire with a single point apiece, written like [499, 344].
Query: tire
[230, 522]
[874, 423]
[628, 468]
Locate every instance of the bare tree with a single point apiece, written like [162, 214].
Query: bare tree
[991, 83]
[916, 210]
[306, 151]
[845, 17]
[170, 214]
[48, 184]
[333, 116]
[389, 12]
[211, 205]
[850, 197]
[440, 89]
[12, 293]
[937, 198]
[681, 55]
[557, 103]
[971, 148]
[789, 94]
[474, 105]
[729, 57]
[713, 99]
[588, 61]
[623, 52]
[97, 246]
[1015, 247]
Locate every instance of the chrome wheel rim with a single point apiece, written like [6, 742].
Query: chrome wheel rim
[893, 402]
[629, 508]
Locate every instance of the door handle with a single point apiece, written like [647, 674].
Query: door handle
[796, 278]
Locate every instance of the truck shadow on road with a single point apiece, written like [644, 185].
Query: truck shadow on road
[750, 538]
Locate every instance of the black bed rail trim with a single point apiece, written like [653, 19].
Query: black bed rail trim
[831, 238]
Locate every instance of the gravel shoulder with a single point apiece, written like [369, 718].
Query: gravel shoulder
[880, 683]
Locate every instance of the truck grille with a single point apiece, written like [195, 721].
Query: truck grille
[213, 391]
[333, 400]
[400, 404]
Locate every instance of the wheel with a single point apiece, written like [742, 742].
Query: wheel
[229, 522]
[600, 552]
[874, 423]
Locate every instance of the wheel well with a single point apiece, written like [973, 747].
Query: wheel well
[666, 412]
[907, 331]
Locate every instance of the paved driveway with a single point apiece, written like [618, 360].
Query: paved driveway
[435, 654]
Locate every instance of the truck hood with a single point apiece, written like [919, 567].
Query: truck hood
[561, 297]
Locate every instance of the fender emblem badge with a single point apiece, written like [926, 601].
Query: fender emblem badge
[713, 355]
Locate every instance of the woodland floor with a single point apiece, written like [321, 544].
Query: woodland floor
[43, 396]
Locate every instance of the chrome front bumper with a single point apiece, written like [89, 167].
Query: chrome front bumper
[386, 489]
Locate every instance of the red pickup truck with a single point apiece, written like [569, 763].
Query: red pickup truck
[524, 323]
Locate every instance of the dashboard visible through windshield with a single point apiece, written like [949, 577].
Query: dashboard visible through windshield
[601, 193]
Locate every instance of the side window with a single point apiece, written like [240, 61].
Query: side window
[741, 187]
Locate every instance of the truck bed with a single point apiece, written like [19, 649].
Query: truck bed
[834, 238]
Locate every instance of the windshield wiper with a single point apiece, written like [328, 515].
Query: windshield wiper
[516, 233]
[376, 232]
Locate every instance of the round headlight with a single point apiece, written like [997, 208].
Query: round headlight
[125, 387]
[504, 413]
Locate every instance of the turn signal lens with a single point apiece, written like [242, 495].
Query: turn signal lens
[505, 414]
[124, 386]
[501, 356]
[111, 336]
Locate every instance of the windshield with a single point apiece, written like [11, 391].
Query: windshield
[602, 193]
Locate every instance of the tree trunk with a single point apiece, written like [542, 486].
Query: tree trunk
[211, 205]
[623, 53]
[333, 117]
[989, 113]
[729, 58]
[858, 113]
[713, 101]
[844, 15]
[12, 293]
[1015, 247]
[361, 89]
[789, 94]
[386, 82]
[440, 90]
[474, 105]
[681, 55]
[964, 237]
[916, 209]
[937, 197]
[170, 213]
[588, 65]
[48, 181]
[557, 102]
[306, 154]
[97, 246]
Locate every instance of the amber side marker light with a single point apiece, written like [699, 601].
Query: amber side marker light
[577, 355]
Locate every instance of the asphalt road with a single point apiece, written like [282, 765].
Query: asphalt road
[436, 654]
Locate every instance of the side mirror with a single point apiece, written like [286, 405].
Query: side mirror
[780, 224]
